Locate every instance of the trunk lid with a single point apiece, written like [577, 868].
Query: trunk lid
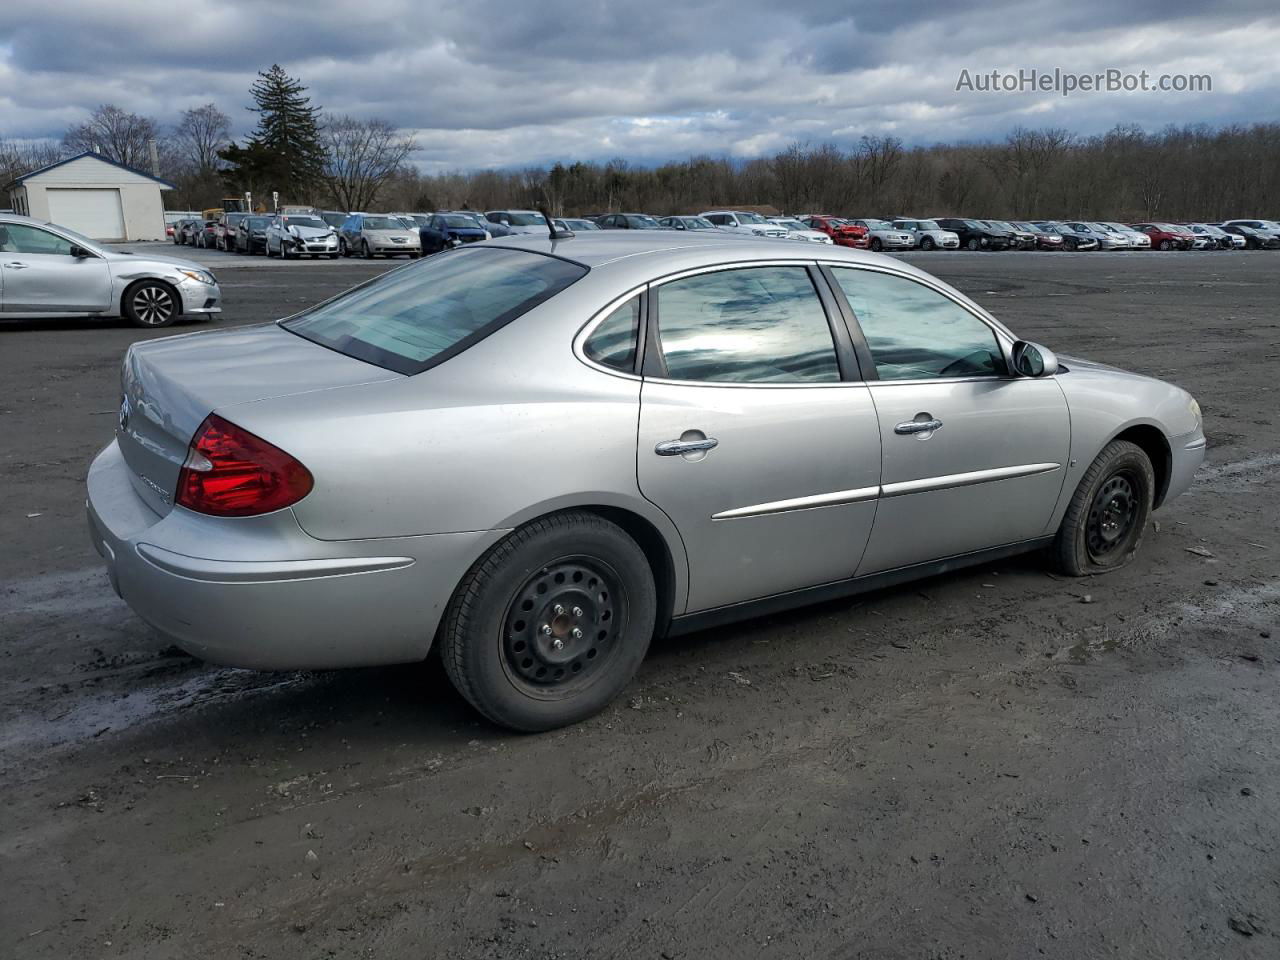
[169, 386]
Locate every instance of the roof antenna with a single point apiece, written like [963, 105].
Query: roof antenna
[551, 227]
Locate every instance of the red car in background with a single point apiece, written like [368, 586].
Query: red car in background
[1166, 236]
[840, 231]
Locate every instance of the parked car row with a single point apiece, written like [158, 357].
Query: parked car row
[325, 233]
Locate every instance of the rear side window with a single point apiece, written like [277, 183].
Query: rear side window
[613, 342]
[411, 319]
[753, 325]
[914, 332]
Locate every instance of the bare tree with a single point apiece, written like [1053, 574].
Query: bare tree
[200, 134]
[17, 158]
[362, 156]
[116, 134]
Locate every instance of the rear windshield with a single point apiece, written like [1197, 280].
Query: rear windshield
[414, 318]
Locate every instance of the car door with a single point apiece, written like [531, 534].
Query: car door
[973, 456]
[756, 435]
[41, 276]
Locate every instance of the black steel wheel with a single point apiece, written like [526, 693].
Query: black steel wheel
[552, 623]
[151, 303]
[1105, 519]
[559, 625]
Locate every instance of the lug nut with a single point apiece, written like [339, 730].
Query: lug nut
[577, 611]
[557, 644]
[546, 630]
[576, 633]
[558, 609]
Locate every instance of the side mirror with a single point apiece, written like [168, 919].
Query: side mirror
[1033, 360]
[79, 252]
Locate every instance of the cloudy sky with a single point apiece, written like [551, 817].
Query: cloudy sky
[496, 83]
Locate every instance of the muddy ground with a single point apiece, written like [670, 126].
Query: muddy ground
[997, 764]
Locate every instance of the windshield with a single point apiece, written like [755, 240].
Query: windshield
[304, 222]
[751, 218]
[790, 224]
[257, 223]
[528, 220]
[383, 223]
[581, 225]
[411, 319]
[334, 219]
[460, 220]
[927, 225]
[1103, 227]
[699, 223]
[641, 222]
[875, 224]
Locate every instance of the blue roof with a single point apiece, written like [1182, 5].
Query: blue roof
[95, 156]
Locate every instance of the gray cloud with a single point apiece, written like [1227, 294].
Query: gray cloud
[507, 82]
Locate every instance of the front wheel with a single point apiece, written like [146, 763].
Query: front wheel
[151, 303]
[365, 250]
[552, 624]
[927, 243]
[1105, 520]
[876, 245]
[973, 243]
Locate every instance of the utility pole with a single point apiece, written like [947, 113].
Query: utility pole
[155, 157]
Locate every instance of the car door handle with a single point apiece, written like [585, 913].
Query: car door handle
[674, 448]
[16, 266]
[917, 426]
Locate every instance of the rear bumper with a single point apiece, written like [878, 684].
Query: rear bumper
[259, 592]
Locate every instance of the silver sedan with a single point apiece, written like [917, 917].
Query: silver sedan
[51, 271]
[538, 454]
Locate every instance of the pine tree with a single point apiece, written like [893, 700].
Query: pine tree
[289, 130]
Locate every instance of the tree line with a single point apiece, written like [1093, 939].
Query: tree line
[334, 161]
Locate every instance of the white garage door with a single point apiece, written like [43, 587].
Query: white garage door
[95, 213]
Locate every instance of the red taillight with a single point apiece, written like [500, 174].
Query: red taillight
[231, 473]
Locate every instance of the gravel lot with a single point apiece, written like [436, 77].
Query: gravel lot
[999, 763]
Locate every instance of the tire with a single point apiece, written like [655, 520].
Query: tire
[284, 253]
[365, 251]
[333, 256]
[973, 244]
[414, 256]
[342, 248]
[927, 243]
[876, 245]
[1166, 245]
[151, 304]
[1107, 516]
[492, 640]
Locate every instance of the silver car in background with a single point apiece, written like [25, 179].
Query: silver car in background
[882, 235]
[516, 222]
[301, 235]
[745, 222]
[51, 271]
[798, 231]
[372, 235]
[540, 453]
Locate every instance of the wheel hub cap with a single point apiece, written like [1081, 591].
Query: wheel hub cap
[1111, 516]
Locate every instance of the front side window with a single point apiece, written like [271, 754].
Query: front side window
[613, 342]
[915, 333]
[754, 325]
[21, 238]
[411, 319]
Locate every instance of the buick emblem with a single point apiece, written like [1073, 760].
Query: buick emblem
[125, 410]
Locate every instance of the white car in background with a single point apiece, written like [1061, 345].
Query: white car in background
[1107, 238]
[519, 221]
[881, 235]
[928, 235]
[746, 222]
[1224, 240]
[301, 234]
[798, 231]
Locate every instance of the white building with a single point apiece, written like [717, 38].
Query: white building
[95, 196]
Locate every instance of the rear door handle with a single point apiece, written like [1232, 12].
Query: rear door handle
[16, 266]
[918, 426]
[674, 448]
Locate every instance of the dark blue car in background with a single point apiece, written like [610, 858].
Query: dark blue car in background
[443, 229]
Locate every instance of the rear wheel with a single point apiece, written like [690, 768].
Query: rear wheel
[1105, 520]
[151, 303]
[552, 624]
